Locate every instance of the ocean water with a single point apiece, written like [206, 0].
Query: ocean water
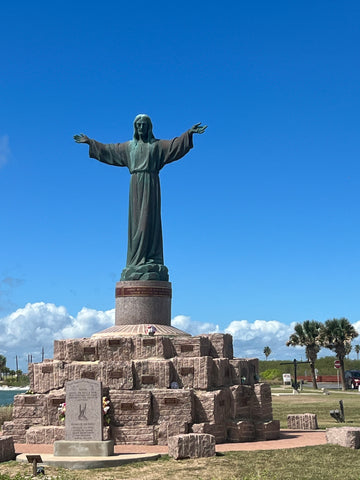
[7, 396]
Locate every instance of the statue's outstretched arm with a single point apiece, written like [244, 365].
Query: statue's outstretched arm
[81, 138]
[198, 128]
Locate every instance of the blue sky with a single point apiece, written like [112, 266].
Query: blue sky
[260, 219]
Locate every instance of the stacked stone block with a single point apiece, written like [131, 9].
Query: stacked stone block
[158, 386]
[344, 436]
[173, 412]
[7, 449]
[194, 372]
[305, 421]
[192, 446]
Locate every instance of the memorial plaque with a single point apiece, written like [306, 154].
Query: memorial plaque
[127, 406]
[187, 348]
[57, 401]
[114, 342]
[89, 351]
[171, 401]
[47, 369]
[116, 374]
[89, 375]
[187, 371]
[149, 342]
[84, 416]
[148, 379]
[30, 400]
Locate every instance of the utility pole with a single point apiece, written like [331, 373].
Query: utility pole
[295, 363]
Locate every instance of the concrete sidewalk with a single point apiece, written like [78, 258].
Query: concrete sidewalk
[288, 439]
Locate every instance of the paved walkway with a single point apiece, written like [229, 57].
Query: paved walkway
[288, 439]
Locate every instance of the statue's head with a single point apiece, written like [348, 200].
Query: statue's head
[142, 123]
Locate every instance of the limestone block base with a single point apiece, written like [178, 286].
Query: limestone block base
[7, 450]
[219, 431]
[306, 421]
[134, 435]
[268, 430]
[44, 435]
[78, 448]
[159, 386]
[344, 436]
[241, 431]
[51, 433]
[192, 445]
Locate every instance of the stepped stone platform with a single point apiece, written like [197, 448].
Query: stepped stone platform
[158, 386]
[86, 463]
[140, 329]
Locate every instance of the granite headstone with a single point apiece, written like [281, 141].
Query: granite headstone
[84, 416]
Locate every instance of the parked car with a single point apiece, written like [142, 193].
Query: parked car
[352, 378]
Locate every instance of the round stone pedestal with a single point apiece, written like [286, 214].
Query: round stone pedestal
[143, 302]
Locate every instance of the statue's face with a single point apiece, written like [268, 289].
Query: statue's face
[142, 127]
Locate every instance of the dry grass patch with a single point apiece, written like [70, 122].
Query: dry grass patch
[5, 413]
[324, 462]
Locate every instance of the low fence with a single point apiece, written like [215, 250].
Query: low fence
[319, 378]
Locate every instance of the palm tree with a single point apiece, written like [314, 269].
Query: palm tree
[348, 349]
[357, 351]
[2, 365]
[336, 335]
[267, 352]
[307, 335]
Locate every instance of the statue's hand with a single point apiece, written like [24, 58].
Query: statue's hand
[198, 128]
[81, 138]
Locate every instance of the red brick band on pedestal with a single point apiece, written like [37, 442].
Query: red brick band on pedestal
[142, 292]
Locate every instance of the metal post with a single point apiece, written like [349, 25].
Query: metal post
[34, 459]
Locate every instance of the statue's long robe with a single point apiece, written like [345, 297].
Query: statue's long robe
[144, 161]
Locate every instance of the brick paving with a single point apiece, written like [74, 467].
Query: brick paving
[288, 439]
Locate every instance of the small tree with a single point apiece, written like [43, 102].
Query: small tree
[2, 366]
[2, 362]
[267, 352]
[357, 351]
[336, 335]
[307, 335]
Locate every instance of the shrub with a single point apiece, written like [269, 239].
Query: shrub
[5, 414]
[271, 374]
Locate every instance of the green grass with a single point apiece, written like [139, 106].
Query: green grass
[323, 462]
[312, 401]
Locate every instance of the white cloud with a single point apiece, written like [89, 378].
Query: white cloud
[37, 325]
[4, 149]
[194, 328]
[260, 328]
[251, 338]
[87, 322]
[356, 325]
